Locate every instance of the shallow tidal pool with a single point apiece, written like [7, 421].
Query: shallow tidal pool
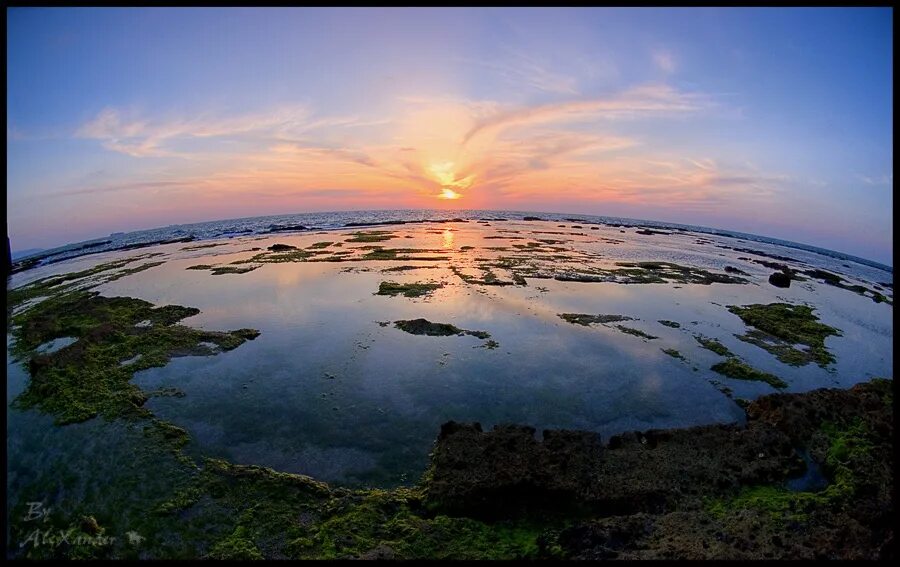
[332, 388]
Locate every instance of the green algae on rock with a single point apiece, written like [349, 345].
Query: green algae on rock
[86, 378]
[55, 285]
[416, 289]
[687, 493]
[739, 370]
[658, 272]
[667, 323]
[780, 326]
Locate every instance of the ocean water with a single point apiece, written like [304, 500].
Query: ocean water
[333, 220]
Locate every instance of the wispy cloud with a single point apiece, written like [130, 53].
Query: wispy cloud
[136, 136]
[519, 69]
[644, 101]
[120, 187]
[886, 179]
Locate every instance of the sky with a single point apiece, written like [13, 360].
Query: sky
[771, 121]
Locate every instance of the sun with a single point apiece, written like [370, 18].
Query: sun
[447, 193]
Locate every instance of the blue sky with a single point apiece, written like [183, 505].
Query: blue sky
[765, 120]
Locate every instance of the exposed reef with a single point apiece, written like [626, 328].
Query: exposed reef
[673, 353]
[426, 327]
[713, 345]
[780, 326]
[416, 289]
[636, 332]
[739, 370]
[837, 281]
[371, 236]
[587, 320]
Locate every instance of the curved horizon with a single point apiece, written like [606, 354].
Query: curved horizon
[660, 223]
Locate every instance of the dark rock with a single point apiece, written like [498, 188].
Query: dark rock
[285, 228]
[780, 279]
[507, 469]
[281, 247]
[532, 218]
[380, 223]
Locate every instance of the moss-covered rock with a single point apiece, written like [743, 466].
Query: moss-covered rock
[86, 379]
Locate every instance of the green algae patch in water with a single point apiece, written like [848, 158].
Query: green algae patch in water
[426, 327]
[87, 378]
[220, 270]
[635, 332]
[668, 323]
[837, 281]
[587, 320]
[713, 345]
[371, 236]
[416, 289]
[673, 353]
[658, 272]
[780, 326]
[734, 368]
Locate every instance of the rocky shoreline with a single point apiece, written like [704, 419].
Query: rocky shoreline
[716, 491]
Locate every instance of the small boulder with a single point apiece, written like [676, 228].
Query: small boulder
[281, 247]
[780, 279]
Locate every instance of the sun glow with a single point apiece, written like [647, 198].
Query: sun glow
[447, 193]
